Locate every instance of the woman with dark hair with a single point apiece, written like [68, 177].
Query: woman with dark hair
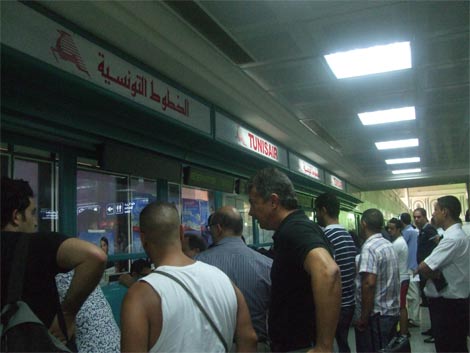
[104, 245]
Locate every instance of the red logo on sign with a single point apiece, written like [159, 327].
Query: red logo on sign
[68, 51]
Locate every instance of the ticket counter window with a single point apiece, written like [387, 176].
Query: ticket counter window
[40, 176]
[347, 220]
[102, 216]
[196, 206]
[265, 236]
[142, 192]
[243, 206]
[310, 214]
[174, 195]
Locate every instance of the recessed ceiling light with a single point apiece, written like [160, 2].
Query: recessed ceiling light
[405, 171]
[387, 116]
[373, 60]
[385, 145]
[403, 160]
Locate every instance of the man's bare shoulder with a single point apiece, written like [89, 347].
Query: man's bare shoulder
[142, 292]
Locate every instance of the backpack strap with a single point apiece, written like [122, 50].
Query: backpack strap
[16, 280]
[18, 268]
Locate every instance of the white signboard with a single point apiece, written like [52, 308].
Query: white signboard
[35, 34]
[309, 170]
[257, 144]
[336, 182]
[229, 131]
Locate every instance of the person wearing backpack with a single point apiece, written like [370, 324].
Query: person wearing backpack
[48, 254]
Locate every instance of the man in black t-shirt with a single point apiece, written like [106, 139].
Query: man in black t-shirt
[306, 283]
[48, 254]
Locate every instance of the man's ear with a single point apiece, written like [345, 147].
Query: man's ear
[275, 201]
[363, 225]
[16, 217]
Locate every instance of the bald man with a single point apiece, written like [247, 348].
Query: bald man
[248, 269]
[159, 316]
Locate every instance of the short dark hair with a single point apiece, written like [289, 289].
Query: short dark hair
[105, 240]
[405, 218]
[196, 242]
[15, 196]
[452, 204]
[159, 216]
[397, 222]
[330, 202]
[138, 265]
[422, 211]
[271, 180]
[374, 219]
[228, 220]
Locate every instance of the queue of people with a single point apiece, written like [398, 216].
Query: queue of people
[232, 298]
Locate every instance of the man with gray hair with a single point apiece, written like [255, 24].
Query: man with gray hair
[305, 280]
[248, 269]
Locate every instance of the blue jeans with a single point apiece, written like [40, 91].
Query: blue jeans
[380, 330]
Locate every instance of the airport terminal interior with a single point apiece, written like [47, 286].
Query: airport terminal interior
[107, 106]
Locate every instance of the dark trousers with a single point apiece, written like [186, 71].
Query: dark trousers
[342, 330]
[381, 329]
[449, 320]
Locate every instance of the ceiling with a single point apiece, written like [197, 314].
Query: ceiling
[262, 62]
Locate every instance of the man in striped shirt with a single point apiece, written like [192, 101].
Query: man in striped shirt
[378, 292]
[248, 269]
[327, 211]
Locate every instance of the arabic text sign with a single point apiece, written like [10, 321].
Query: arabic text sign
[34, 34]
[308, 169]
[336, 182]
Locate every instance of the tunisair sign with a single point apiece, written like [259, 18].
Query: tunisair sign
[254, 143]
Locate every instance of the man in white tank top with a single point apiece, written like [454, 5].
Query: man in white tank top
[158, 315]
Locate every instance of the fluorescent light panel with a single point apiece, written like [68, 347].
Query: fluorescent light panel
[403, 160]
[373, 60]
[406, 171]
[385, 145]
[387, 116]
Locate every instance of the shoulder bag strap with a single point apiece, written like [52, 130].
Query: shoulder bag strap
[18, 268]
[199, 305]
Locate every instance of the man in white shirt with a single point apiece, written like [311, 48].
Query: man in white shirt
[413, 298]
[448, 287]
[159, 316]
[395, 227]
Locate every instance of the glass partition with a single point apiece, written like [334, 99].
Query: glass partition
[265, 236]
[102, 212]
[108, 209]
[241, 203]
[40, 175]
[196, 206]
[142, 192]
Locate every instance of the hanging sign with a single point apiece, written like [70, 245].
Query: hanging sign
[34, 34]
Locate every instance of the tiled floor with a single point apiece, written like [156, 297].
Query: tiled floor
[417, 343]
